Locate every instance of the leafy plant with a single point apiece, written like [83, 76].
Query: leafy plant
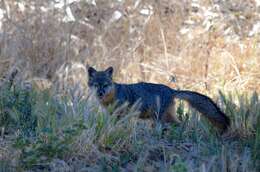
[48, 144]
[16, 110]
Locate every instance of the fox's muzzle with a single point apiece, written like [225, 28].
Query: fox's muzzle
[100, 94]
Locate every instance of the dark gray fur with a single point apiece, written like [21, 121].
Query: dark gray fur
[155, 98]
[150, 93]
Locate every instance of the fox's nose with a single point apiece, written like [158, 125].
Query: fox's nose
[100, 94]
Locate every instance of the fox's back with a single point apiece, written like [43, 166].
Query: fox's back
[155, 97]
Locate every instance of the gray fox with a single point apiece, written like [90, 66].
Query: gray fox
[149, 94]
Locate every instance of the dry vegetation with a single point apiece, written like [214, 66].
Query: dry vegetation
[202, 45]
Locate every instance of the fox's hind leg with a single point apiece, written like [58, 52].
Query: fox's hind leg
[170, 114]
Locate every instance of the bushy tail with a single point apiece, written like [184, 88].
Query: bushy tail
[206, 107]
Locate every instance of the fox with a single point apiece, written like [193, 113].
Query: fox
[107, 91]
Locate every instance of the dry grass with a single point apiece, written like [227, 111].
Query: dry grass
[204, 45]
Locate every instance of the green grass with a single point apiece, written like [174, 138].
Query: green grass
[44, 131]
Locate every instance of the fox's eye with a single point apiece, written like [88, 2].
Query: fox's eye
[105, 85]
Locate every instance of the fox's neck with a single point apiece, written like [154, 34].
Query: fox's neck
[110, 97]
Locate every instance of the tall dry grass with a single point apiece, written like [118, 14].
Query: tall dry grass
[204, 45]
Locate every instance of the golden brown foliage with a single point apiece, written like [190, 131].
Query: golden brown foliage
[204, 45]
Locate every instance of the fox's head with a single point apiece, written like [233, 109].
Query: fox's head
[101, 83]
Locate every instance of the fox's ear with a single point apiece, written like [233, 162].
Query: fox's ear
[91, 72]
[109, 71]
